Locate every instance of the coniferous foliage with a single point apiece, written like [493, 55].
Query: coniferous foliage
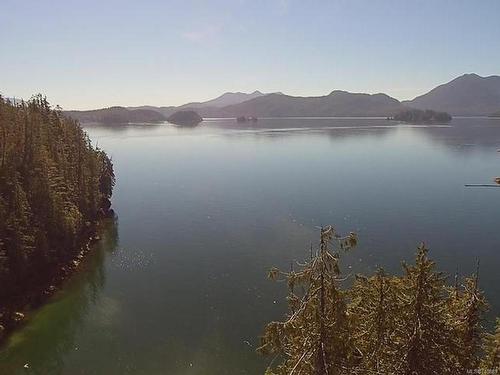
[491, 348]
[413, 324]
[54, 186]
[316, 335]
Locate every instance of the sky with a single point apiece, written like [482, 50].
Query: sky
[99, 53]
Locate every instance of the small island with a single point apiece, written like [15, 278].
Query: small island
[245, 119]
[419, 116]
[496, 114]
[185, 118]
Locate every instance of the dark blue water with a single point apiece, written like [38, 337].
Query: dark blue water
[178, 284]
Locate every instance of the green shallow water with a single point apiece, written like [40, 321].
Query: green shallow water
[178, 283]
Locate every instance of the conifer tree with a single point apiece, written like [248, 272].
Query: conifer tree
[414, 324]
[466, 321]
[374, 307]
[315, 337]
[491, 347]
[423, 335]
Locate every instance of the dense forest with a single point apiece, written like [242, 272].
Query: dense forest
[185, 118]
[117, 115]
[54, 187]
[414, 324]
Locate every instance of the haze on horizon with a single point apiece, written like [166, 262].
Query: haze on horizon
[94, 54]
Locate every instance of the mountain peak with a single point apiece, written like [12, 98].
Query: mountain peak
[336, 92]
[228, 98]
[337, 103]
[467, 95]
[471, 75]
[476, 77]
[232, 93]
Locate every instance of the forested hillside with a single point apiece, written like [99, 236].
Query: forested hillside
[467, 95]
[54, 186]
[117, 115]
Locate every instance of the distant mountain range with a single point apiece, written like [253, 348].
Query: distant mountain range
[467, 95]
[337, 103]
[228, 98]
[210, 108]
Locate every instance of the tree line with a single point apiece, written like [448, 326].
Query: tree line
[54, 186]
[417, 115]
[414, 324]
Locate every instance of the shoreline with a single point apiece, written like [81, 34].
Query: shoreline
[16, 312]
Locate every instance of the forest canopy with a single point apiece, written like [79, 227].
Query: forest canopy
[54, 186]
[185, 118]
[414, 324]
[117, 115]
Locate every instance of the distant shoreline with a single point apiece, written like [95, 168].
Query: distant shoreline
[232, 119]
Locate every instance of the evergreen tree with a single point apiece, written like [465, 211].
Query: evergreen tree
[374, 307]
[423, 334]
[491, 347]
[315, 337]
[466, 319]
[414, 324]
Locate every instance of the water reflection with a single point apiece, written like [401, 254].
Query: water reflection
[43, 345]
[123, 129]
[205, 211]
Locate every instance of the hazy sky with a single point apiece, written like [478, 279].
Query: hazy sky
[97, 53]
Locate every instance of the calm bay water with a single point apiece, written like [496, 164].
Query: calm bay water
[178, 283]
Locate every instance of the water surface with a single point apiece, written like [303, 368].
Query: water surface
[178, 284]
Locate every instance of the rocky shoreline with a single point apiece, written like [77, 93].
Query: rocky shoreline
[15, 312]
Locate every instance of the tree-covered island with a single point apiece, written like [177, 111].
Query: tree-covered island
[428, 116]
